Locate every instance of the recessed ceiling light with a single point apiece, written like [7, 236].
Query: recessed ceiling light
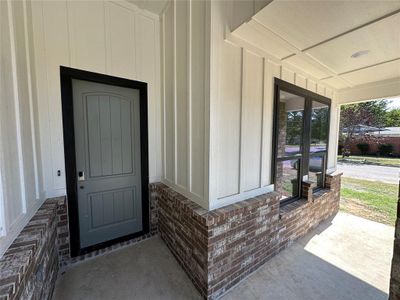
[359, 53]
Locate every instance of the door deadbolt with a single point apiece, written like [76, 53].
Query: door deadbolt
[81, 176]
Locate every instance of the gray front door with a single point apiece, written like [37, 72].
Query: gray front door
[107, 145]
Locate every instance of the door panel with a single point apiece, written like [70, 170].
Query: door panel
[107, 142]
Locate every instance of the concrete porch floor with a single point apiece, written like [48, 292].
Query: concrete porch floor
[344, 258]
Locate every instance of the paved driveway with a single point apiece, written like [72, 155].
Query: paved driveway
[369, 172]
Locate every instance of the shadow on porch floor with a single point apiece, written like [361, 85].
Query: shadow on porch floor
[344, 258]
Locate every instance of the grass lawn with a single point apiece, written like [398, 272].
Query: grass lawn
[371, 160]
[372, 200]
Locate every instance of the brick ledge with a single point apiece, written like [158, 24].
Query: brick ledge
[34, 251]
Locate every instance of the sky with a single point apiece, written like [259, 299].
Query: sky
[395, 103]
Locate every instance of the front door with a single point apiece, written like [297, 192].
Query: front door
[108, 161]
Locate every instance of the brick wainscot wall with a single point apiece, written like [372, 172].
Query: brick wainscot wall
[219, 248]
[28, 269]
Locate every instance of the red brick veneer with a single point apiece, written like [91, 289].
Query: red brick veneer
[28, 269]
[219, 248]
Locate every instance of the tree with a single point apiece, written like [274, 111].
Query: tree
[319, 125]
[294, 127]
[393, 118]
[373, 113]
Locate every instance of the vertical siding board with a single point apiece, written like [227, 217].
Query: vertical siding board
[272, 70]
[181, 93]
[89, 44]
[24, 101]
[252, 103]
[120, 30]
[321, 90]
[311, 85]
[198, 98]
[56, 46]
[146, 71]
[229, 122]
[29, 50]
[169, 80]
[301, 81]
[288, 75]
[18, 97]
[13, 209]
[190, 94]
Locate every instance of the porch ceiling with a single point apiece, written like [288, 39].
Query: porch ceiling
[154, 6]
[320, 37]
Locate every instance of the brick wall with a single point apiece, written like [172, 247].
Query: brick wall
[374, 147]
[28, 269]
[183, 225]
[395, 276]
[219, 248]
[62, 230]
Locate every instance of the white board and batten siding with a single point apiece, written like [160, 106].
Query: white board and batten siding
[21, 187]
[210, 100]
[184, 65]
[108, 37]
[241, 105]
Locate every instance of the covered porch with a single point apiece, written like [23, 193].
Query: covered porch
[344, 258]
[175, 149]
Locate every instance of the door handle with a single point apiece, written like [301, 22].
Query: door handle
[81, 176]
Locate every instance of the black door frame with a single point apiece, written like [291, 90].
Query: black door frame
[66, 75]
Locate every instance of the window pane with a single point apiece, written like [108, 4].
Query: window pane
[287, 178]
[319, 127]
[316, 169]
[290, 124]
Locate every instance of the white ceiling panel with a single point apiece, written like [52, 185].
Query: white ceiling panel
[303, 63]
[320, 37]
[154, 6]
[335, 82]
[381, 39]
[305, 24]
[377, 73]
[262, 38]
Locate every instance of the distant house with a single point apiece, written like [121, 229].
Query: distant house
[387, 135]
[388, 132]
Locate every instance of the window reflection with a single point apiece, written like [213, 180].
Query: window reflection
[319, 127]
[287, 179]
[318, 142]
[291, 115]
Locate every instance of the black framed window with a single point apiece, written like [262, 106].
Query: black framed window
[301, 134]
[319, 125]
